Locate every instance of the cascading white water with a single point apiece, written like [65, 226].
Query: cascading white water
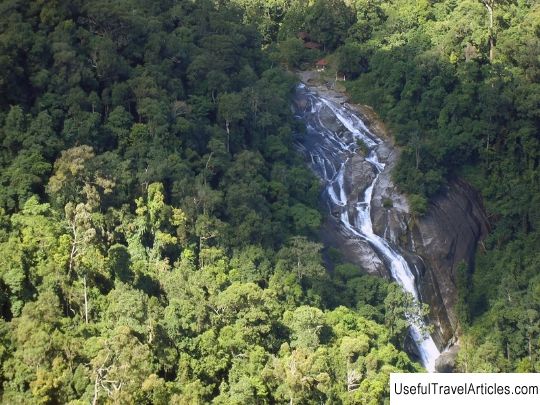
[329, 150]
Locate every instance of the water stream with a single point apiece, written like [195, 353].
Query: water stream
[333, 136]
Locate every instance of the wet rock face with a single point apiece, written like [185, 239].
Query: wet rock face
[445, 237]
[389, 208]
[446, 363]
[434, 244]
[359, 174]
[353, 250]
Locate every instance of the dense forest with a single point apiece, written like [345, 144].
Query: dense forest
[158, 231]
[458, 82]
[157, 228]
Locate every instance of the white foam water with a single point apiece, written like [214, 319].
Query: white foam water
[329, 152]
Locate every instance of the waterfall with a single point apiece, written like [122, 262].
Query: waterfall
[329, 148]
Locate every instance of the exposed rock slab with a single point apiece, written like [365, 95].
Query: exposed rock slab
[444, 237]
[446, 363]
[434, 245]
[389, 207]
[353, 250]
[359, 174]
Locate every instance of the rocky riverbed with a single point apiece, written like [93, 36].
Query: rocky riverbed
[434, 244]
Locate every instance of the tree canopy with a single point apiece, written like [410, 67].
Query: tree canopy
[157, 228]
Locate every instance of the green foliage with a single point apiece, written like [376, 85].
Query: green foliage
[156, 225]
[328, 21]
[352, 60]
[418, 204]
[291, 52]
[387, 203]
[305, 219]
[457, 84]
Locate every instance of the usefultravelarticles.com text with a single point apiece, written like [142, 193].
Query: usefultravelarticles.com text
[462, 388]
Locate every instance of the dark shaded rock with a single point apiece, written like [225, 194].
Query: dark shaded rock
[444, 237]
[329, 120]
[353, 250]
[300, 102]
[359, 174]
[410, 347]
[433, 245]
[389, 208]
[446, 363]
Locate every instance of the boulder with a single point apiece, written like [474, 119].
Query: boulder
[359, 174]
[446, 363]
